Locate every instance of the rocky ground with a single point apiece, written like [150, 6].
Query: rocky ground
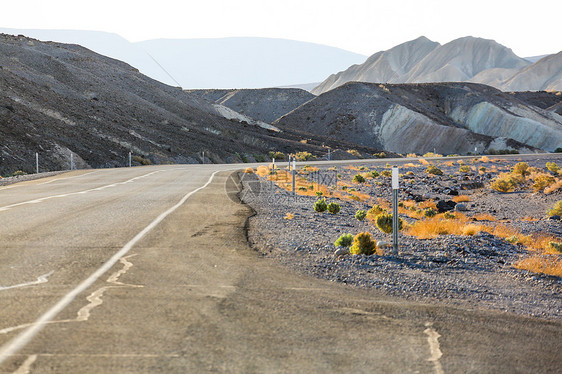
[470, 271]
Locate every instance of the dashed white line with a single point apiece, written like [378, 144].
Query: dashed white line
[25, 336]
[25, 368]
[40, 279]
[75, 176]
[435, 352]
[40, 200]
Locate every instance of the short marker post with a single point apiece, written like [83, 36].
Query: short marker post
[36, 163]
[395, 188]
[294, 175]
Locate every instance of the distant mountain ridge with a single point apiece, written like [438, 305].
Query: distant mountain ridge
[212, 63]
[466, 59]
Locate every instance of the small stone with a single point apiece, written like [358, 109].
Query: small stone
[341, 252]
[460, 208]
[555, 218]
[382, 244]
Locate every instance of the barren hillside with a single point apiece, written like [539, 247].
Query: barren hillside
[266, 104]
[443, 117]
[58, 99]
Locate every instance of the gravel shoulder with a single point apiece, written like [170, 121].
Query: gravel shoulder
[475, 272]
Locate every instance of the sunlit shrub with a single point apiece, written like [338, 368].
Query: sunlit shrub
[363, 244]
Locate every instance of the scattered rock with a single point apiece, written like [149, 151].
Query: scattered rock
[461, 208]
[445, 205]
[341, 252]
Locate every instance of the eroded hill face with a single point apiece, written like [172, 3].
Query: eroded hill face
[265, 104]
[444, 117]
[58, 99]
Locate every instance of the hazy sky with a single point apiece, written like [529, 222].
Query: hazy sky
[363, 26]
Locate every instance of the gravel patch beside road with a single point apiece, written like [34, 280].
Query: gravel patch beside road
[475, 272]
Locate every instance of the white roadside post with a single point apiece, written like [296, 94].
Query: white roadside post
[71, 161]
[395, 187]
[294, 175]
[36, 163]
[130, 159]
[273, 163]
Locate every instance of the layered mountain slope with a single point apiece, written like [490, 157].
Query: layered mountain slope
[545, 74]
[443, 117]
[385, 66]
[59, 100]
[465, 59]
[266, 104]
[462, 59]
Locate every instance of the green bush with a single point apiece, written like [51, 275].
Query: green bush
[345, 240]
[429, 212]
[384, 222]
[319, 193]
[334, 208]
[375, 210]
[358, 178]
[504, 183]
[542, 181]
[464, 169]
[449, 215]
[363, 244]
[374, 174]
[432, 169]
[360, 215]
[386, 173]
[555, 246]
[558, 150]
[18, 173]
[556, 209]
[552, 167]
[303, 156]
[320, 205]
[141, 160]
[278, 156]
[521, 168]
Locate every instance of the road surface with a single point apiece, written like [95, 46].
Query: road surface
[147, 270]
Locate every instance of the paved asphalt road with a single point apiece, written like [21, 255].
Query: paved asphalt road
[141, 270]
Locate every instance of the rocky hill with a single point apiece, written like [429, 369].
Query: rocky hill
[465, 59]
[266, 104]
[444, 117]
[59, 99]
[384, 66]
[545, 74]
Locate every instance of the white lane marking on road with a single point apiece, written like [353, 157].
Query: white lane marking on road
[25, 368]
[435, 352]
[25, 336]
[40, 200]
[75, 176]
[40, 279]
[95, 299]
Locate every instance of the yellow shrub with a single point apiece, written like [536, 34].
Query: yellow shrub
[249, 171]
[543, 181]
[504, 183]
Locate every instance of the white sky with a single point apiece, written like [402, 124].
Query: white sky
[530, 27]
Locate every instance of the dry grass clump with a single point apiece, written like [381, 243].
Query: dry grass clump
[484, 159]
[423, 161]
[551, 265]
[461, 198]
[262, 171]
[484, 217]
[553, 187]
[249, 171]
[289, 216]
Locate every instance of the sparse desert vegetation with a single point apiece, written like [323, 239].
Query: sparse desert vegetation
[451, 217]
